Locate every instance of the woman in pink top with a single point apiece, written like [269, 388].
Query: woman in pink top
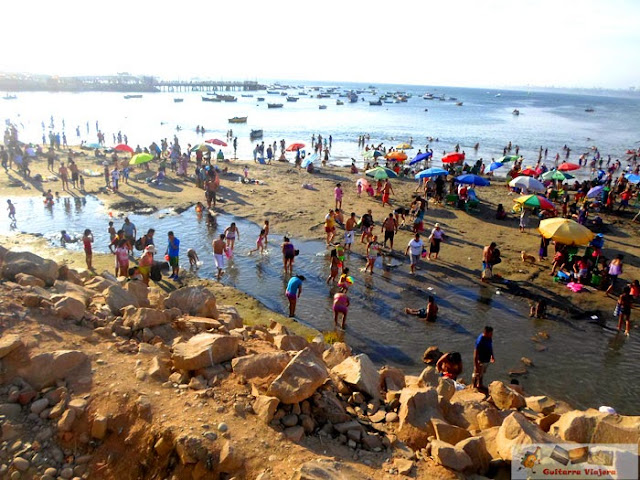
[122, 259]
[340, 307]
[338, 194]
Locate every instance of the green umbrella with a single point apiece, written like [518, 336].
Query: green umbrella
[140, 158]
[508, 158]
[556, 175]
[369, 154]
[380, 173]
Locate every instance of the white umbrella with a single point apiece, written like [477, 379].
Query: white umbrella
[529, 183]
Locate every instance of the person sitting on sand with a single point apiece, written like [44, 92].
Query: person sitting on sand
[501, 214]
[450, 365]
[429, 313]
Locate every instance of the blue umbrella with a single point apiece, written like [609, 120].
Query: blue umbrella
[633, 178]
[595, 191]
[495, 166]
[309, 159]
[472, 179]
[420, 157]
[431, 172]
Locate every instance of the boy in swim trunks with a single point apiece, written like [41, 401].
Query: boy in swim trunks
[429, 313]
[349, 231]
[218, 254]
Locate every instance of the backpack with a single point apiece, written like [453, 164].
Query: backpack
[138, 244]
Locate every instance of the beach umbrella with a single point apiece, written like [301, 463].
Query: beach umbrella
[420, 157]
[216, 141]
[380, 173]
[404, 146]
[556, 175]
[529, 183]
[471, 179]
[633, 178]
[535, 201]
[595, 191]
[140, 158]
[294, 146]
[203, 147]
[508, 158]
[495, 166]
[368, 154]
[363, 182]
[565, 231]
[453, 157]
[309, 159]
[397, 156]
[123, 148]
[529, 171]
[567, 167]
[431, 172]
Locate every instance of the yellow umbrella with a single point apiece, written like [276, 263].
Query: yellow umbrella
[563, 230]
[404, 146]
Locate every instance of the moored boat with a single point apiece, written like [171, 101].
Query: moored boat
[210, 99]
[516, 111]
[375, 102]
[9, 97]
[339, 102]
[255, 134]
[590, 110]
[274, 105]
[292, 99]
[178, 100]
[322, 107]
[238, 120]
[127, 97]
[261, 99]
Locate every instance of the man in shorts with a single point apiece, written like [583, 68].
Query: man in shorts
[482, 356]
[218, 254]
[389, 227]
[173, 251]
[210, 188]
[130, 232]
[349, 231]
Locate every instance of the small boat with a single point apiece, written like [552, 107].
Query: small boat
[9, 97]
[458, 104]
[255, 134]
[390, 101]
[353, 97]
[376, 103]
[498, 95]
[589, 110]
[226, 98]
[339, 102]
[323, 95]
[284, 94]
[127, 97]
[273, 92]
[210, 99]
[292, 99]
[453, 99]
[274, 105]
[238, 120]
[322, 107]
[302, 93]
[178, 100]
[516, 111]
[246, 95]
[428, 96]
[261, 99]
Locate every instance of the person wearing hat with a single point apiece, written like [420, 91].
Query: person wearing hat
[145, 263]
[435, 239]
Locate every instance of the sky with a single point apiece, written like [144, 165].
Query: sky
[470, 43]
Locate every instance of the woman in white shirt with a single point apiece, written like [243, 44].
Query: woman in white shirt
[436, 237]
[414, 250]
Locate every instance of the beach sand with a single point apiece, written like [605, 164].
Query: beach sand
[280, 197]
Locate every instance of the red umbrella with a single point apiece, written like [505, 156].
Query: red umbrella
[216, 141]
[295, 146]
[453, 157]
[567, 167]
[123, 148]
[529, 172]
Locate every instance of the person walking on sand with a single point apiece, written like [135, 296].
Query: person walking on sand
[414, 250]
[482, 356]
[390, 228]
[219, 246]
[231, 234]
[625, 302]
[373, 251]
[337, 192]
[87, 240]
[293, 292]
[349, 231]
[340, 307]
[288, 254]
[435, 239]
[386, 190]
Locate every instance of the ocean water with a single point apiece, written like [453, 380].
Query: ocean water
[550, 120]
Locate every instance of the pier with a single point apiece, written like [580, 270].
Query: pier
[207, 85]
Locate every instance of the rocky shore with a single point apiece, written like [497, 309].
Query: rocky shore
[104, 378]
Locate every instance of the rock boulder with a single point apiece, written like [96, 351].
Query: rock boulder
[31, 264]
[515, 431]
[336, 353]
[197, 301]
[300, 378]
[204, 350]
[450, 456]
[45, 368]
[417, 407]
[140, 318]
[360, 373]
[261, 368]
[69, 308]
[117, 298]
[504, 397]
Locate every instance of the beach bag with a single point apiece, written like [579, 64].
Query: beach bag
[617, 310]
[138, 244]
[424, 252]
[296, 252]
[487, 274]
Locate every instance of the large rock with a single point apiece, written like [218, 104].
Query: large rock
[450, 456]
[196, 301]
[70, 289]
[429, 377]
[300, 378]
[463, 408]
[265, 407]
[290, 342]
[446, 388]
[204, 350]
[229, 316]
[504, 397]
[593, 426]
[360, 373]
[448, 433]
[417, 407]
[69, 308]
[9, 343]
[391, 379]
[45, 368]
[139, 318]
[139, 290]
[476, 448]
[261, 368]
[30, 264]
[325, 469]
[99, 284]
[541, 404]
[336, 354]
[490, 436]
[27, 280]
[515, 431]
[117, 298]
[327, 408]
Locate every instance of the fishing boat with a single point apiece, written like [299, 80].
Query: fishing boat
[238, 120]
[255, 134]
[246, 95]
[322, 107]
[292, 99]
[274, 105]
[458, 104]
[273, 92]
[516, 111]
[590, 110]
[127, 97]
[284, 94]
[227, 98]
[9, 97]
[353, 97]
[339, 102]
[178, 100]
[261, 99]
[210, 99]
[428, 96]
[376, 103]
[323, 95]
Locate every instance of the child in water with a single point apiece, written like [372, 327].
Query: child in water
[334, 266]
[64, 238]
[259, 243]
[265, 227]
[430, 313]
[11, 209]
[345, 281]
[87, 240]
[193, 258]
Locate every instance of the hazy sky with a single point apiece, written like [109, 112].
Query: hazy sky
[568, 43]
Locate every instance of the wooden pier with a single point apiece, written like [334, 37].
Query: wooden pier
[207, 85]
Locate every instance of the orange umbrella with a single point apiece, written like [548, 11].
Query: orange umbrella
[295, 146]
[123, 148]
[398, 156]
[567, 167]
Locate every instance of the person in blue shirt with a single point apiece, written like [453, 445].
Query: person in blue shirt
[173, 252]
[293, 292]
[482, 356]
